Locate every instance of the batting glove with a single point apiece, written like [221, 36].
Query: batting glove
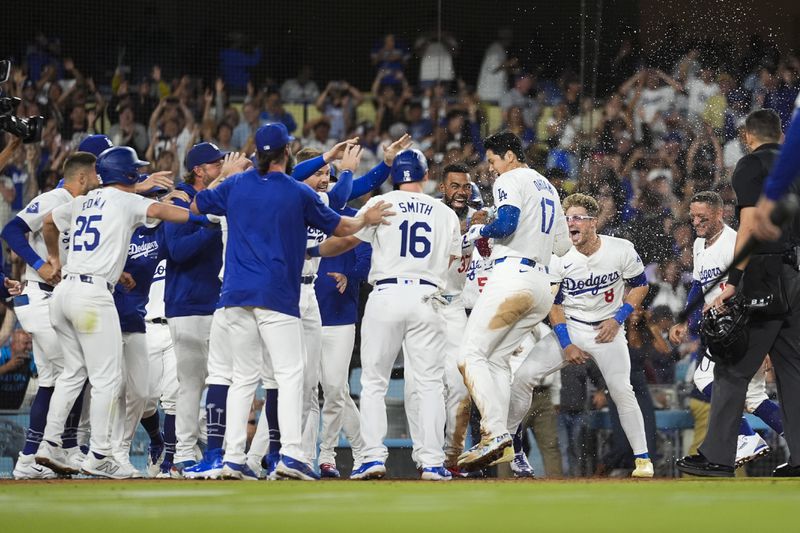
[473, 233]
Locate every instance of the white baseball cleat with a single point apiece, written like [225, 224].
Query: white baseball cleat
[155, 456]
[55, 458]
[254, 463]
[75, 457]
[107, 467]
[521, 467]
[644, 468]
[128, 468]
[26, 468]
[749, 448]
[435, 473]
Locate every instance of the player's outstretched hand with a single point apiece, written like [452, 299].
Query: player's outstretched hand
[677, 333]
[162, 180]
[127, 281]
[391, 151]
[338, 150]
[234, 163]
[14, 287]
[574, 355]
[378, 213]
[607, 330]
[341, 281]
[351, 158]
[176, 195]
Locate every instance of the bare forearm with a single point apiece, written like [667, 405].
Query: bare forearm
[349, 225]
[50, 233]
[636, 296]
[337, 246]
[557, 315]
[168, 213]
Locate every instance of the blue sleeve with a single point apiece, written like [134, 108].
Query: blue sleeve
[316, 214]
[477, 142]
[787, 167]
[340, 192]
[214, 201]
[504, 225]
[371, 180]
[638, 281]
[185, 241]
[695, 294]
[361, 267]
[14, 235]
[303, 171]
[559, 299]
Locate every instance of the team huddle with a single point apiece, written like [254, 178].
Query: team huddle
[248, 274]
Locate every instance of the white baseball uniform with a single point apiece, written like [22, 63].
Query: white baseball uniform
[592, 290]
[709, 263]
[163, 375]
[410, 259]
[83, 312]
[220, 359]
[517, 296]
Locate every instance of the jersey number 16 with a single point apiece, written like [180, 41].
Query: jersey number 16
[414, 240]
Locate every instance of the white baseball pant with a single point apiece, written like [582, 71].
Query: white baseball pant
[260, 443]
[312, 331]
[614, 362]
[397, 316]
[86, 320]
[133, 393]
[515, 299]
[34, 317]
[339, 411]
[190, 335]
[457, 400]
[220, 358]
[163, 375]
[258, 334]
[756, 390]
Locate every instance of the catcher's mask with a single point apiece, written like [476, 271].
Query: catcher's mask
[725, 331]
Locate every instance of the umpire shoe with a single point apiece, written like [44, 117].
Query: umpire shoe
[289, 467]
[786, 470]
[55, 458]
[369, 470]
[750, 448]
[698, 465]
[237, 471]
[209, 468]
[329, 471]
[26, 468]
[435, 473]
[107, 467]
[487, 454]
[521, 467]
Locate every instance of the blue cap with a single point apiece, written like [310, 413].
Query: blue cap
[95, 144]
[203, 153]
[272, 137]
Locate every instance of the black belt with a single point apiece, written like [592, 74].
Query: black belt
[45, 287]
[523, 260]
[305, 280]
[85, 278]
[158, 320]
[585, 322]
[394, 281]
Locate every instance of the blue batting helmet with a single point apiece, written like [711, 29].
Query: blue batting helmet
[408, 166]
[475, 200]
[95, 144]
[119, 164]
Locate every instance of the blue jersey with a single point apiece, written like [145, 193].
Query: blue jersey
[267, 218]
[338, 309]
[144, 253]
[194, 259]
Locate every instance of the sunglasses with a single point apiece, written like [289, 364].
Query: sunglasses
[578, 218]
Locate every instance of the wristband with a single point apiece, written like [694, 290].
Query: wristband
[735, 276]
[198, 219]
[38, 264]
[562, 334]
[623, 313]
[313, 251]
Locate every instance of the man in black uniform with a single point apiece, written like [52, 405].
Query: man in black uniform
[770, 276]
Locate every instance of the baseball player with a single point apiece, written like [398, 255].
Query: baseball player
[261, 290]
[602, 281]
[410, 260]
[529, 227]
[32, 307]
[713, 252]
[83, 312]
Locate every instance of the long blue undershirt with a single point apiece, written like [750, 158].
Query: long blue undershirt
[504, 225]
[787, 167]
[14, 235]
[351, 189]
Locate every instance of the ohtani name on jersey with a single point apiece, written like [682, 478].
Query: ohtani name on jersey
[541, 185]
[415, 207]
[707, 275]
[140, 250]
[594, 284]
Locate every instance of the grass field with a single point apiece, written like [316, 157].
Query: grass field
[468, 506]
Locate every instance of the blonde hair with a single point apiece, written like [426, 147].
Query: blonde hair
[582, 200]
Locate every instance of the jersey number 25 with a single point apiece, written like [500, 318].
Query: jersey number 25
[86, 236]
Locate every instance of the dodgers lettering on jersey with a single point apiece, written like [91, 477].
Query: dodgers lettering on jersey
[457, 273]
[34, 215]
[144, 253]
[418, 242]
[710, 262]
[542, 227]
[593, 287]
[314, 237]
[476, 276]
[101, 224]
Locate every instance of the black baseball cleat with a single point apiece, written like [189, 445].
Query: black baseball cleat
[786, 470]
[698, 465]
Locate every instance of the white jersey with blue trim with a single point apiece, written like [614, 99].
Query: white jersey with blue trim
[710, 262]
[34, 215]
[101, 225]
[457, 273]
[542, 227]
[593, 287]
[314, 237]
[155, 300]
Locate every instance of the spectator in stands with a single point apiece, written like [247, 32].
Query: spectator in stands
[389, 104]
[699, 90]
[244, 132]
[172, 126]
[273, 111]
[389, 58]
[316, 134]
[128, 132]
[520, 96]
[234, 63]
[16, 369]
[516, 124]
[419, 127]
[436, 51]
[493, 76]
[339, 102]
[302, 89]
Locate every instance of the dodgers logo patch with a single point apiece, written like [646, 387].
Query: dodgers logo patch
[33, 208]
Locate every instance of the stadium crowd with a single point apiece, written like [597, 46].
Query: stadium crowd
[642, 150]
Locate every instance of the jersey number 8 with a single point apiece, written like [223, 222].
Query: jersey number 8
[411, 242]
[86, 236]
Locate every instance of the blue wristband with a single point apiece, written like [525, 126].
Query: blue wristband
[623, 313]
[562, 334]
[199, 219]
[313, 251]
[38, 264]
